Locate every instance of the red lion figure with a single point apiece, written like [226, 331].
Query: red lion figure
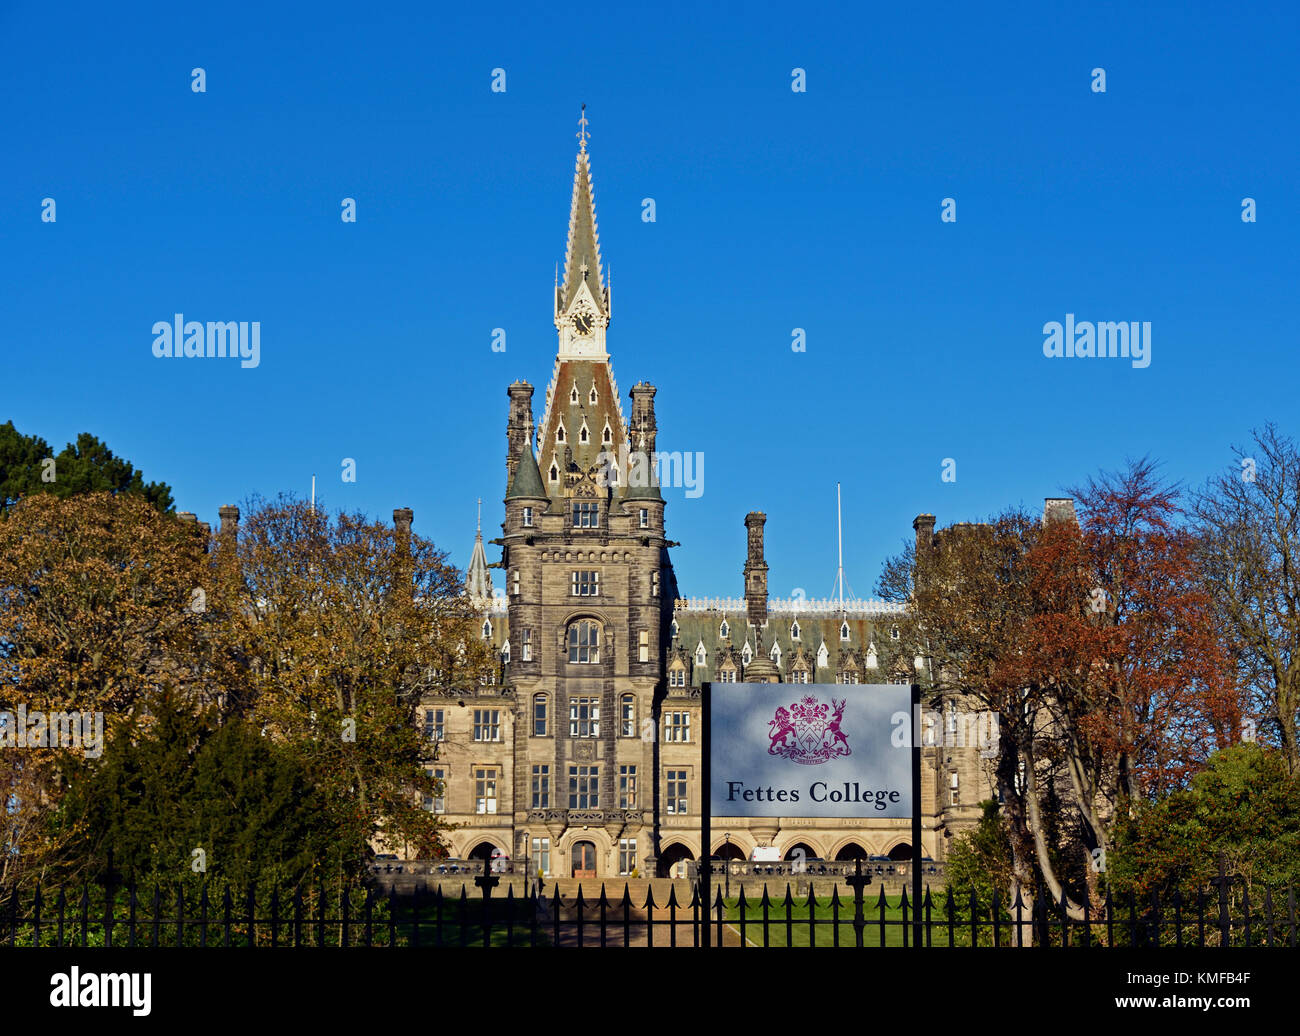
[782, 726]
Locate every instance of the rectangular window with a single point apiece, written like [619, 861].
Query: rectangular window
[644, 517]
[848, 677]
[726, 676]
[542, 855]
[584, 787]
[434, 730]
[528, 645]
[487, 724]
[584, 717]
[677, 726]
[539, 715]
[677, 678]
[586, 584]
[643, 646]
[514, 583]
[627, 787]
[586, 516]
[485, 789]
[799, 676]
[626, 855]
[541, 787]
[627, 716]
[436, 802]
[677, 792]
[528, 517]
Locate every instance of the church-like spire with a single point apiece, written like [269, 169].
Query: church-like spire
[478, 583]
[582, 252]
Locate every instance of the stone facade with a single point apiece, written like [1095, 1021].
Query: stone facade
[584, 757]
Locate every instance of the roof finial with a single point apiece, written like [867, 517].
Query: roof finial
[479, 527]
[582, 133]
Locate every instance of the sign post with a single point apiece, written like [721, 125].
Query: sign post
[831, 751]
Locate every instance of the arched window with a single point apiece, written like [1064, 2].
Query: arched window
[700, 654]
[775, 653]
[541, 715]
[724, 630]
[844, 630]
[505, 653]
[823, 655]
[584, 642]
[487, 628]
[674, 628]
[746, 655]
[559, 433]
[794, 630]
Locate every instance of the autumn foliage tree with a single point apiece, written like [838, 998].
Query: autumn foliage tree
[1094, 641]
[345, 624]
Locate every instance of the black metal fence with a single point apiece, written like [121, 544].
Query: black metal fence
[124, 917]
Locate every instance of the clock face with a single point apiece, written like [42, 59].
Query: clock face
[582, 322]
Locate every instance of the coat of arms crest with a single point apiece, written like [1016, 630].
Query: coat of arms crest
[809, 732]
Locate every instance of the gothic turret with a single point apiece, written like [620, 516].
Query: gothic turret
[478, 583]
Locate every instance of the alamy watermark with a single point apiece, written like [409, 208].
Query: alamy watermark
[955, 729]
[1107, 339]
[193, 339]
[37, 729]
[675, 470]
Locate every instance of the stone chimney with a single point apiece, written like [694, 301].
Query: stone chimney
[402, 518]
[229, 515]
[923, 524]
[756, 571]
[1059, 509]
[643, 425]
[519, 427]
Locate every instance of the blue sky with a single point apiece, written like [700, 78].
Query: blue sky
[774, 209]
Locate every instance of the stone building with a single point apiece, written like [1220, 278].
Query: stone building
[584, 756]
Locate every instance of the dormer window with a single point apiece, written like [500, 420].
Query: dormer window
[823, 655]
[673, 627]
[505, 653]
[583, 434]
[592, 397]
[573, 394]
[746, 655]
[606, 436]
[724, 631]
[794, 630]
[487, 629]
[844, 630]
[559, 433]
[775, 654]
[555, 473]
[701, 656]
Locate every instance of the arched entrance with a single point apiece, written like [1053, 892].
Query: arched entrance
[673, 860]
[800, 851]
[851, 851]
[901, 852]
[728, 851]
[583, 859]
[485, 851]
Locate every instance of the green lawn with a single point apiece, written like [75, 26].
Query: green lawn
[819, 925]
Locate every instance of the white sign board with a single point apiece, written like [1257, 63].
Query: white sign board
[810, 750]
